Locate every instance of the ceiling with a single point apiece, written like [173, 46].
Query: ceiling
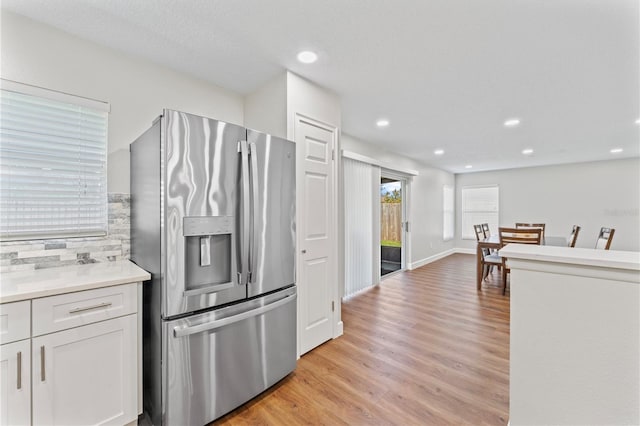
[445, 73]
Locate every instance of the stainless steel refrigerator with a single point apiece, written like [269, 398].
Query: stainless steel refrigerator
[213, 221]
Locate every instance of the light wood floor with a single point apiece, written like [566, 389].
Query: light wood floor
[422, 348]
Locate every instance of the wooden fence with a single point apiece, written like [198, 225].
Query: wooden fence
[391, 221]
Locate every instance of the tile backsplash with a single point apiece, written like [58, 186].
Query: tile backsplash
[38, 254]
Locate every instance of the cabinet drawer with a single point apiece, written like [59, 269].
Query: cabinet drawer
[15, 321]
[69, 310]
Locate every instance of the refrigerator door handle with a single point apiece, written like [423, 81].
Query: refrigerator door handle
[253, 156]
[246, 214]
[187, 331]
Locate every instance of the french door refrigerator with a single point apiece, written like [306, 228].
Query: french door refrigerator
[213, 221]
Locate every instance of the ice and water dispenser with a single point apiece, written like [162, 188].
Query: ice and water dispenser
[209, 245]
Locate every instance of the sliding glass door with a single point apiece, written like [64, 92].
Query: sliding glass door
[375, 202]
[392, 224]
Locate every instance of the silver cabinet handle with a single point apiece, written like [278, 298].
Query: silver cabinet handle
[187, 331]
[89, 308]
[19, 384]
[42, 372]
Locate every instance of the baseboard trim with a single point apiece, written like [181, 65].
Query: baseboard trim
[439, 256]
[339, 329]
[465, 250]
[430, 259]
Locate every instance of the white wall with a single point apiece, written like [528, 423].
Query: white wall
[311, 100]
[266, 108]
[137, 90]
[425, 204]
[272, 107]
[592, 195]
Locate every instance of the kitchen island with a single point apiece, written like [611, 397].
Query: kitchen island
[575, 335]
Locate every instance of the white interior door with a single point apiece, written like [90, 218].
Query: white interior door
[315, 144]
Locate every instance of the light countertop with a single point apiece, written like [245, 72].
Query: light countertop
[25, 285]
[614, 259]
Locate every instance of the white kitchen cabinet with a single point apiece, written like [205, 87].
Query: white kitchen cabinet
[15, 363]
[69, 310]
[15, 321]
[15, 383]
[76, 333]
[86, 375]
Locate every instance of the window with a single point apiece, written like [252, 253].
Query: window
[448, 213]
[479, 205]
[53, 155]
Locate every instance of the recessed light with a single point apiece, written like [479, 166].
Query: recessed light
[438, 151]
[512, 122]
[382, 123]
[468, 166]
[638, 121]
[527, 151]
[616, 150]
[307, 57]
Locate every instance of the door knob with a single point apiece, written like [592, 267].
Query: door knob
[303, 251]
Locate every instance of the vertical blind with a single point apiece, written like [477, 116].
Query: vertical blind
[358, 225]
[448, 213]
[480, 204]
[53, 154]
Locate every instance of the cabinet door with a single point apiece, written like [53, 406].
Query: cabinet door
[86, 375]
[15, 383]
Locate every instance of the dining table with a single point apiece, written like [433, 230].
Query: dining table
[492, 242]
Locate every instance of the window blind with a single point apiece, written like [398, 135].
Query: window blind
[448, 213]
[53, 155]
[479, 205]
[358, 225]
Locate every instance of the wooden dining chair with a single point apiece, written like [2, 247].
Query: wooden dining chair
[516, 236]
[531, 226]
[574, 236]
[487, 233]
[604, 238]
[479, 232]
[488, 259]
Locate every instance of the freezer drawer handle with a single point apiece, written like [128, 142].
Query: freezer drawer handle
[187, 331]
[209, 289]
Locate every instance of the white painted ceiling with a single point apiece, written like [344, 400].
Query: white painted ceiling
[446, 73]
